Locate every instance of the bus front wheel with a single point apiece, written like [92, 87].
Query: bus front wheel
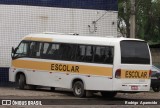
[21, 81]
[32, 87]
[78, 89]
[106, 94]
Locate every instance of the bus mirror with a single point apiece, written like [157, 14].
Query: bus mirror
[13, 50]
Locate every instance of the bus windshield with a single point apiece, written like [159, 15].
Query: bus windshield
[134, 52]
[21, 50]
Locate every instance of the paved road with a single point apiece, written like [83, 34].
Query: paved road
[61, 98]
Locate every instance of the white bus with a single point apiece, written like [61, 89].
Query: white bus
[82, 63]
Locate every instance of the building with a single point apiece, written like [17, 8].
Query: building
[21, 17]
[155, 52]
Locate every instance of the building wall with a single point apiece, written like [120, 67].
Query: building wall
[22, 17]
[155, 55]
[16, 21]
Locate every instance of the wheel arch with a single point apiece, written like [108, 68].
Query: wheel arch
[78, 79]
[17, 76]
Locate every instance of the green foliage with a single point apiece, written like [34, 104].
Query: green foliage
[147, 19]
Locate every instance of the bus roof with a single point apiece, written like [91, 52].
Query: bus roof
[60, 38]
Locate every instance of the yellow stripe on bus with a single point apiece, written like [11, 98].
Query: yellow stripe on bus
[135, 74]
[63, 67]
[39, 39]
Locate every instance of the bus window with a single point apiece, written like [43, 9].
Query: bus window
[22, 50]
[73, 51]
[35, 48]
[99, 54]
[103, 54]
[69, 52]
[50, 51]
[44, 51]
[109, 52]
[80, 53]
[54, 48]
[84, 53]
[45, 48]
[66, 48]
[89, 54]
[55, 55]
[134, 52]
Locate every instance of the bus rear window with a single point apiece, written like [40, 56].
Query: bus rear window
[134, 52]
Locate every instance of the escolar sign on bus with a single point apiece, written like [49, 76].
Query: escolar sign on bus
[62, 67]
[135, 74]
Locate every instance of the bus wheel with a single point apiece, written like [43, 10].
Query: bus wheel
[32, 87]
[78, 89]
[108, 94]
[156, 88]
[21, 81]
[52, 88]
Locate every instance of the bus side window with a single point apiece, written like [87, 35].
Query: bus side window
[50, 51]
[99, 54]
[57, 51]
[35, 48]
[64, 48]
[73, 51]
[109, 55]
[80, 53]
[44, 51]
[84, 53]
[89, 54]
[68, 52]
[55, 48]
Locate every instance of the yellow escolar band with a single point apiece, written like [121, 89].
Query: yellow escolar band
[63, 67]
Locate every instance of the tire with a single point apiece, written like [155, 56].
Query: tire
[78, 89]
[32, 87]
[22, 82]
[53, 89]
[156, 88]
[108, 94]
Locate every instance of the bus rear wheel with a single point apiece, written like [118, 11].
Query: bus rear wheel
[78, 89]
[52, 89]
[156, 88]
[22, 81]
[106, 94]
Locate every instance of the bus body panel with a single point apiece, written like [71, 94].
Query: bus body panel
[132, 75]
[61, 79]
[95, 76]
[125, 84]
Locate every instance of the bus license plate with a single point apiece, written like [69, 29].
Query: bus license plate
[134, 87]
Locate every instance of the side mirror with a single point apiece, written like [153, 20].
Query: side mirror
[13, 52]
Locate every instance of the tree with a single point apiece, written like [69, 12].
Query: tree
[147, 19]
[123, 17]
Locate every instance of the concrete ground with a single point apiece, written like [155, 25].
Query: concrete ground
[65, 99]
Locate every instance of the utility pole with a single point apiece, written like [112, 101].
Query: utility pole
[132, 19]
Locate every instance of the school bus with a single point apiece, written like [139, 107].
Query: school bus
[82, 64]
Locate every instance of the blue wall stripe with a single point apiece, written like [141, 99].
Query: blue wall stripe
[81, 4]
[4, 75]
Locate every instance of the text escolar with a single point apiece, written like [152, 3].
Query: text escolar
[61, 67]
